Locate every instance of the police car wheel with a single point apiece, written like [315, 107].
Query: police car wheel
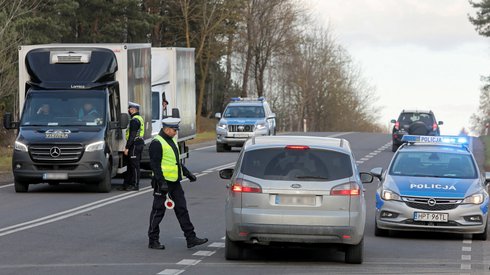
[481, 236]
[378, 232]
[233, 250]
[354, 253]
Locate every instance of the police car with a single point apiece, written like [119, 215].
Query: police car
[243, 118]
[432, 184]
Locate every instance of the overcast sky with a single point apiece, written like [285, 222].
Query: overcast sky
[419, 54]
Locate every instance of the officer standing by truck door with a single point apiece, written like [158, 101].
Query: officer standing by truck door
[134, 148]
[167, 174]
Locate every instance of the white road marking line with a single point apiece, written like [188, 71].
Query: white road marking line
[8, 185]
[204, 253]
[202, 148]
[171, 272]
[466, 266]
[365, 159]
[76, 210]
[223, 238]
[359, 161]
[217, 244]
[466, 257]
[466, 248]
[188, 262]
[467, 241]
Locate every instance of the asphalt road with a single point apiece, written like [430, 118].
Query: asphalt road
[68, 229]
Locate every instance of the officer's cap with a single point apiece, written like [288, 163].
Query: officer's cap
[134, 105]
[171, 122]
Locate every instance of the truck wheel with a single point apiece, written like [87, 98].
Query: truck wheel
[233, 250]
[104, 185]
[220, 147]
[21, 186]
[353, 253]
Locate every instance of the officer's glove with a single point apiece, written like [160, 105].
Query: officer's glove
[160, 189]
[188, 174]
[191, 177]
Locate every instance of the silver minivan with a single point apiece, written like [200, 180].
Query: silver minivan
[295, 190]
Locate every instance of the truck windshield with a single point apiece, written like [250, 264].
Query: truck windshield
[64, 108]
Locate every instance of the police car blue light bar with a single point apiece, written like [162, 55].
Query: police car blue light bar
[456, 140]
[247, 98]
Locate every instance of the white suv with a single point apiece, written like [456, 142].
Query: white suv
[242, 119]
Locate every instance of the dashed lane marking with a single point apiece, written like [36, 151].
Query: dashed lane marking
[204, 253]
[171, 272]
[188, 262]
[217, 244]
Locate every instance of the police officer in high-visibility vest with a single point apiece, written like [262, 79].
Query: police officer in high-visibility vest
[134, 148]
[167, 174]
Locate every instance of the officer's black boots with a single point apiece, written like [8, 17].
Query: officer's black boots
[156, 245]
[191, 242]
[132, 188]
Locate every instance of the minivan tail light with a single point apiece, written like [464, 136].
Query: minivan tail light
[244, 186]
[297, 147]
[397, 125]
[434, 126]
[346, 189]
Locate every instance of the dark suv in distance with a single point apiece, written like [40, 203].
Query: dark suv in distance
[414, 122]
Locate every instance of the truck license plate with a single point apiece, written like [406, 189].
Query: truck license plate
[241, 135]
[55, 176]
[430, 217]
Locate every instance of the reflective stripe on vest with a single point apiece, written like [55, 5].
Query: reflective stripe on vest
[141, 130]
[169, 166]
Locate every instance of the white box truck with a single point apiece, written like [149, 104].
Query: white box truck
[59, 84]
[173, 79]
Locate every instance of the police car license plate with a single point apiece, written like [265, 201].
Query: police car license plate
[55, 176]
[241, 135]
[295, 200]
[430, 217]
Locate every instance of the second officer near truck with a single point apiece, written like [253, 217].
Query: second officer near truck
[134, 148]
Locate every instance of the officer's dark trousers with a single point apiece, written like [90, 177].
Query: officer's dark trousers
[133, 164]
[158, 211]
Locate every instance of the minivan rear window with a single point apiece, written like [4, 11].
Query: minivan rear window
[297, 165]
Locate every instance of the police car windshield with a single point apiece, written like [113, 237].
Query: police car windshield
[433, 164]
[244, 112]
[296, 165]
[64, 108]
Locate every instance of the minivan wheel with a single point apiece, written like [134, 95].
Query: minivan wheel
[233, 250]
[353, 253]
[481, 236]
[21, 186]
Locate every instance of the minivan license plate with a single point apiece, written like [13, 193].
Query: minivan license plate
[430, 217]
[295, 200]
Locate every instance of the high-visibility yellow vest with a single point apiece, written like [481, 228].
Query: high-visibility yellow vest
[169, 164]
[141, 130]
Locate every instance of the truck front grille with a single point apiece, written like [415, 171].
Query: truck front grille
[71, 152]
[240, 128]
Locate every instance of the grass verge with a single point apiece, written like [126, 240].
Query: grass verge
[5, 159]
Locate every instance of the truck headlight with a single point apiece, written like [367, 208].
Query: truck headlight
[222, 125]
[474, 199]
[96, 146]
[19, 146]
[389, 195]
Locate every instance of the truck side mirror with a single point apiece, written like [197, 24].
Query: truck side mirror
[273, 115]
[175, 113]
[8, 123]
[440, 122]
[393, 121]
[217, 115]
[124, 121]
